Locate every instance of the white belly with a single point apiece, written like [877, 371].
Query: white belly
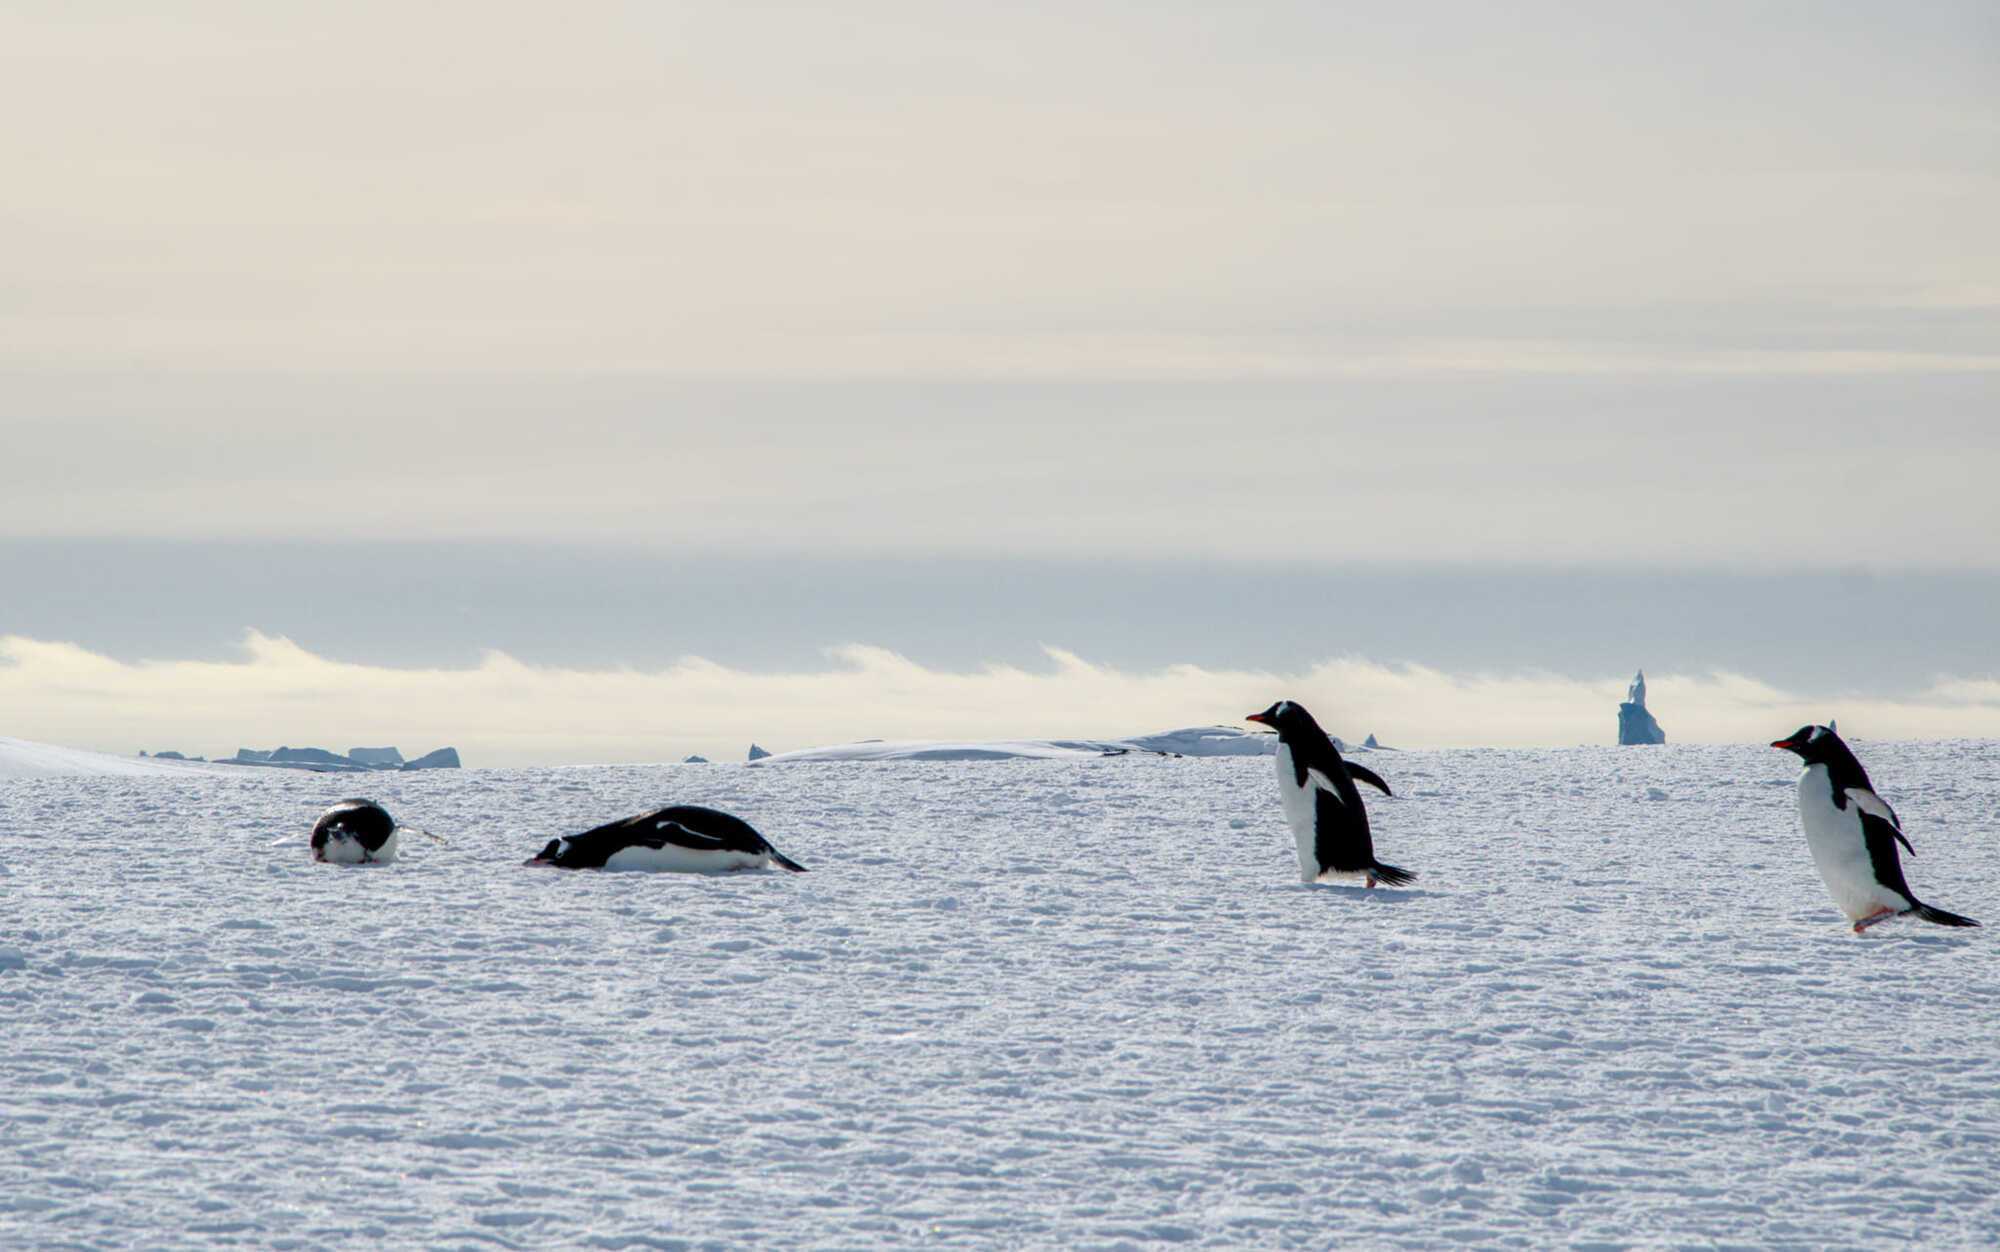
[1301, 814]
[344, 849]
[677, 860]
[1838, 850]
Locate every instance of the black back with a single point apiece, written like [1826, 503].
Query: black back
[364, 821]
[1341, 840]
[684, 825]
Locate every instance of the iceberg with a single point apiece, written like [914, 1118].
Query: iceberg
[357, 760]
[758, 754]
[1635, 723]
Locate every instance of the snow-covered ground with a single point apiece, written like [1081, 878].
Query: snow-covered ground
[24, 758]
[1019, 1003]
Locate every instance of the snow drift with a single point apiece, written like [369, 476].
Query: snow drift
[1190, 741]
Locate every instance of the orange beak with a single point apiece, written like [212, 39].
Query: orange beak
[1258, 717]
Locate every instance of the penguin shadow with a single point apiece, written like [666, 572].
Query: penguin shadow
[1384, 895]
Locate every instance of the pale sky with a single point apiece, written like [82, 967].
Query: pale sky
[1285, 296]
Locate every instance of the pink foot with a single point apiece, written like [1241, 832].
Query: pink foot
[1371, 882]
[1879, 915]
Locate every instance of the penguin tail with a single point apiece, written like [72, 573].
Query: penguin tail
[797, 868]
[1402, 877]
[1940, 917]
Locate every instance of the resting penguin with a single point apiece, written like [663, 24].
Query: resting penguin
[355, 832]
[1316, 786]
[1853, 834]
[683, 838]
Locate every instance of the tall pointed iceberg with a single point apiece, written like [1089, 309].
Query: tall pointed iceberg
[1635, 724]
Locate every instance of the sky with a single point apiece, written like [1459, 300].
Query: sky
[1229, 353]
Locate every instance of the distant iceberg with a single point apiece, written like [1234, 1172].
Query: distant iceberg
[1635, 723]
[758, 754]
[356, 761]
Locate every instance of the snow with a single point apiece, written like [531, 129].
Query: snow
[1032, 1003]
[22, 758]
[1192, 741]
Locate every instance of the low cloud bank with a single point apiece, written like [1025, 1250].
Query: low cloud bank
[505, 712]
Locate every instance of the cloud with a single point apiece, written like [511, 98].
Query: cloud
[506, 712]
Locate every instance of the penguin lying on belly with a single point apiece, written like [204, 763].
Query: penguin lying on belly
[682, 838]
[355, 832]
[1316, 787]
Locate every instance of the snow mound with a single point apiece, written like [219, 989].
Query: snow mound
[1207, 741]
[1191, 741]
[21, 758]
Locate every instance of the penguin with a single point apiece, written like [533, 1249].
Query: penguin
[682, 838]
[1853, 834]
[355, 832]
[1316, 786]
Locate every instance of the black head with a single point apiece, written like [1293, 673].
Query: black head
[1815, 745]
[1289, 718]
[548, 854]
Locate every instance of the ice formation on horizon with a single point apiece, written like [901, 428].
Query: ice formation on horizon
[1635, 723]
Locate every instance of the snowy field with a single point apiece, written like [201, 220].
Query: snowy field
[1078, 1003]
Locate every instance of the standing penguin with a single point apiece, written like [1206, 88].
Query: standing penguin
[1853, 833]
[1316, 786]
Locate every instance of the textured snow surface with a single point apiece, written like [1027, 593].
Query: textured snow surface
[1034, 1003]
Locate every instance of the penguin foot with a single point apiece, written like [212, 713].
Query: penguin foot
[1371, 882]
[1879, 915]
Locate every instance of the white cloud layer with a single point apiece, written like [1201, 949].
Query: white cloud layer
[505, 712]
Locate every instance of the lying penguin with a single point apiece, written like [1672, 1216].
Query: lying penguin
[355, 832]
[682, 838]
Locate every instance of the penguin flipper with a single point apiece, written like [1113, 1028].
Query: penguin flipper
[781, 859]
[1868, 802]
[1881, 838]
[1361, 773]
[680, 836]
